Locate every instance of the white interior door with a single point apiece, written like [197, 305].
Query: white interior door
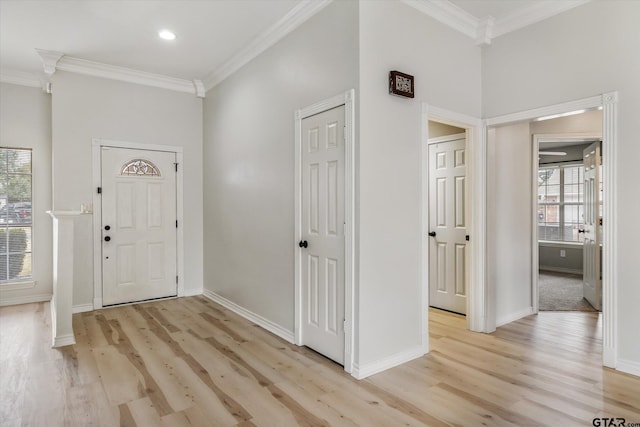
[448, 225]
[138, 225]
[592, 283]
[323, 244]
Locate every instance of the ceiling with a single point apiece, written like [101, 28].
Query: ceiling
[211, 34]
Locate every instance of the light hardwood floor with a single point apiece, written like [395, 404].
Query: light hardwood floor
[190, 362]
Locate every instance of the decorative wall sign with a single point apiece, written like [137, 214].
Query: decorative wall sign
[401, 84]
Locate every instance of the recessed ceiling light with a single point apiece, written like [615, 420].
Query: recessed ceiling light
[166, 35]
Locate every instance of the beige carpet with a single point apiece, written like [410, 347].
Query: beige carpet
[561, 292]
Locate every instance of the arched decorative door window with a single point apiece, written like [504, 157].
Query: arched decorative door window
[139, 167]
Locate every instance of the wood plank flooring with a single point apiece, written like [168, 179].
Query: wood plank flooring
[190, 362]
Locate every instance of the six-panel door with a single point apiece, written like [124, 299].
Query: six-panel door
[138, 225]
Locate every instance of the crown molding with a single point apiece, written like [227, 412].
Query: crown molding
[49, 59]
[20, 78]
[114, 72]
[449, 14]
[484, 30]
[536, 12]
[292, 20]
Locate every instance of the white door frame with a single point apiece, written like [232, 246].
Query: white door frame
[477, 306]
[348, 100]
[535, 167]
[609, 104]
[97, 145]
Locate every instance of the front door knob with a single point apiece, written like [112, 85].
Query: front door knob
[107, 238]
[303, 244]
[432, 234]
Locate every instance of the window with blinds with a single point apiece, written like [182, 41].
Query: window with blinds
[15, 214]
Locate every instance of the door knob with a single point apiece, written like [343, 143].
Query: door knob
[432, 234]
[107, 227]
[107, 238]
[581, 231]
[303, 244]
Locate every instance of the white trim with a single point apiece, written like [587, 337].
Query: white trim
[24, 299]
[49, 60]
[629, 367]
[97, 145]
[512, 317]
[264, 323]
[449, 14]
[82, 308]
[536, 12]
[192, 292]
[608, 102]
[20, 78]
[484, 29]
[535, 168]
[304, 10]
[14, 286]
[348, 100]
[447, 138]
[114, 72]
[63, 340]
[476, 172]
[560, 244]
[371, 368]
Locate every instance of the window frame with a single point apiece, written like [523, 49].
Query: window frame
[24, 281]
[561, 203]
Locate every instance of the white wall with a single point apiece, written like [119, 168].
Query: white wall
[25, 122]
[87, 107]
[446, 66]
[509, 240]
[583, 52]
[249, 157]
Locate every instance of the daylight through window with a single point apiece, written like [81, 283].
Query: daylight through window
[15, 214]
[560, 200]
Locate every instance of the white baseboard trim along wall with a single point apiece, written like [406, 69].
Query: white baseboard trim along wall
[251, 316]
[514, 316]
[370, 368]
[81, 308]
[25, 299]
[628, 367]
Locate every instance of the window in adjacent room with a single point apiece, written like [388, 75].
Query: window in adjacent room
[15, 214]
[560, 200]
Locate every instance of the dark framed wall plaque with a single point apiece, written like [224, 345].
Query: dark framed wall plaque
[401, 84]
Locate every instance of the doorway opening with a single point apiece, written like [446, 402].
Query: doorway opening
[568, 194]
[448, 217]
[513, 216]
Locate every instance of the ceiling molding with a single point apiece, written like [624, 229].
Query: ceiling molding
[114, 72]
[49, 59]
[20, 78]
[447, 13]
[537, 12]
[292, 20]
[486, 29]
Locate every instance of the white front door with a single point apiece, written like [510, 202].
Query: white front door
[448, 224]
[323, 243]
[138, 225]
[592, 282]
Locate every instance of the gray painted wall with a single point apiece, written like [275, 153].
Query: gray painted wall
[25, 122]
[87, 107]
[580, 53]
[249, 156]
[550, 258]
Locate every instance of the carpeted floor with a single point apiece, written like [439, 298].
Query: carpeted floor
[561, 292]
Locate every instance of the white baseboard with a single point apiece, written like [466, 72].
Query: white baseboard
[251, 316]
[25, 299]
[370, 368]
[629, 367]
[514, 316]
[81, 308]
[63, 340]
[192, 292]
[560, 270]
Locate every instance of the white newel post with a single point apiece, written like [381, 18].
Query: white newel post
[62, 300]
